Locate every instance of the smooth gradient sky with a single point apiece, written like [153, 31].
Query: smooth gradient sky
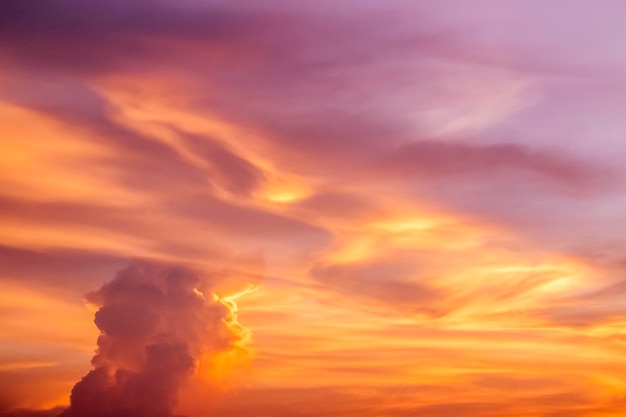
[418, 207]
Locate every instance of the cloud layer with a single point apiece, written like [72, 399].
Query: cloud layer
[434, 193]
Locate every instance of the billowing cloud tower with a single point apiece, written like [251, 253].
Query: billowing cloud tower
[155, 323]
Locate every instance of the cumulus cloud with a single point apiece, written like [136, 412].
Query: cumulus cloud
[155, 322]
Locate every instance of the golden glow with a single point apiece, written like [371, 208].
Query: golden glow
[282, 190]
[408, 224]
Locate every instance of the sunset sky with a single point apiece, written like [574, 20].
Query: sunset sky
[313, 208]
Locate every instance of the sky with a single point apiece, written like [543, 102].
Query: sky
[269, 208]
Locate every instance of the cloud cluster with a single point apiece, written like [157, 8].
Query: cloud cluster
[155, 323]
